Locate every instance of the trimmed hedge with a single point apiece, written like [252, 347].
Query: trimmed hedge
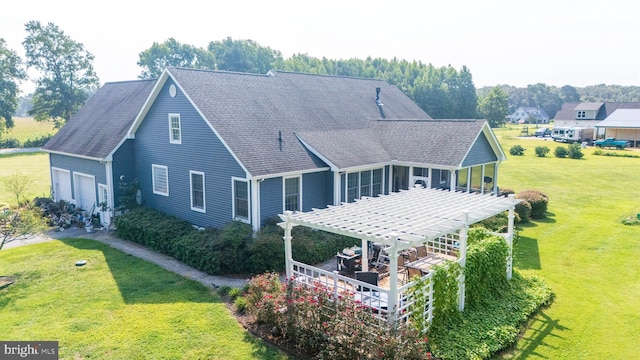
[231, 250]
[538, 200]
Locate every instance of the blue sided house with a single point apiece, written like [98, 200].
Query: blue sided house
[211, 147]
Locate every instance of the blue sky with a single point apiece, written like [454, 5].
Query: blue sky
[518, 43]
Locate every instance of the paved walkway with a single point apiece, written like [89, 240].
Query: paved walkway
[109, 238]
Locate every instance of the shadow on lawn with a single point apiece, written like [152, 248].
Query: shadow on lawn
[527, 254]
[540, 328]
[141, 282]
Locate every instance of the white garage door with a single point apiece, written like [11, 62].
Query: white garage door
[61, 185]
[85, 189]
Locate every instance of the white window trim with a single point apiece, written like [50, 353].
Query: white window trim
[233, 200]
[443, 180]
[284, 191]
[153, 179]
[171, 139]
[359, 172]
[204, 191]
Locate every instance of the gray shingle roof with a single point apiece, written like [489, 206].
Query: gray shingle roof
[436, 142]
[250, 111]
[622, 118]
[102, 123]
[568, 110]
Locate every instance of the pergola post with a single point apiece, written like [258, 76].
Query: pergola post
[463, 260]
[288, 257]
[392, 301]
[364, 255]
[511, 218]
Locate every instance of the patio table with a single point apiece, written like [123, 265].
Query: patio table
[432, 259]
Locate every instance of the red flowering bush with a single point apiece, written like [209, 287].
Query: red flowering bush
[315, 322]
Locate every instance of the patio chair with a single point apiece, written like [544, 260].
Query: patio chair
[422, 251]
[412, 254]
[413, 272]
[402, 271]
[370, 277]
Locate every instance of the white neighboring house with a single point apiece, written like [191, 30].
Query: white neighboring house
[528, 114]
[589, 115]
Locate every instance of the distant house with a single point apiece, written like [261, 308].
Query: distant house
[529, 115]
[589, 115]
[211, 147]
[622, 124]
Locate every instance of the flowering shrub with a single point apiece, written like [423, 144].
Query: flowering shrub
[318, 324]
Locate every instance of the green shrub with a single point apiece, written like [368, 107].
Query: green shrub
[240, 304]
[224, 290]
[151, 228]
[37, 142]
[234, 293]
[542, 151]
[516, 150]
[539, 202]
[560, 152]
[575, 151]
[9, 143]
[631, 220]
[523, 211]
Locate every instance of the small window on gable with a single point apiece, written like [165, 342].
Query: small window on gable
[160, 175]
[175, 130]
[581, 114]
[197, 191]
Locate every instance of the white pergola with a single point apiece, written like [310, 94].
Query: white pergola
[404, 220]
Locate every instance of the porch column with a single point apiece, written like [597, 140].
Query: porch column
[452, 186]
[510, 237]
[392, 301]
[495, 179]
[463, 260]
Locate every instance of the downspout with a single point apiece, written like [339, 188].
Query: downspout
[255, 204]
[108, 166]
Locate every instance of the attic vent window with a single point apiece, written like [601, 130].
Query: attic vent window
[172, 90]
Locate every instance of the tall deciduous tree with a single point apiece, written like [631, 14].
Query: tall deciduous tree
[11, 73]
[245, 56]
[66, 72]
[569, 94]
[494, 107]
[172, 53]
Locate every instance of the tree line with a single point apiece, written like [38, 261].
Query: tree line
[67, 78]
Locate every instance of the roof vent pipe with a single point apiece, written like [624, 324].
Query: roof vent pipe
[378, 97]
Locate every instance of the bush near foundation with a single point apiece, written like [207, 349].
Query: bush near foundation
[538, 200]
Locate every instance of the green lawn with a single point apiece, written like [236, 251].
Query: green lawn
[586, 255]
[116, 307]
[35, 165]
[25, 128]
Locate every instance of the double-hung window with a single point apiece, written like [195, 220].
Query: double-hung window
[240, 200]
[197, 191]
[292, 194]
[364, 183]
[175, 129]
[160, 177]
